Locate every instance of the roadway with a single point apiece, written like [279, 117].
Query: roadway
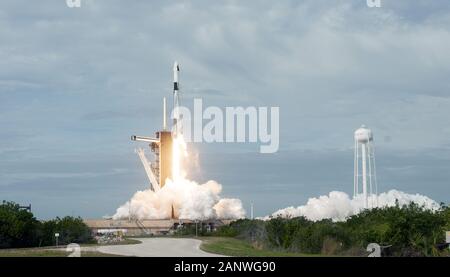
[159, 247]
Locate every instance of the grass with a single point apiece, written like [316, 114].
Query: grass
[240, 248]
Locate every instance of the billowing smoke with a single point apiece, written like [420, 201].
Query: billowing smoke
[338, 205]
[186, 199]
[229, 208]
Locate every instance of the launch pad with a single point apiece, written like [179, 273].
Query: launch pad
[149, 226]
[171, 195]
[160, 169]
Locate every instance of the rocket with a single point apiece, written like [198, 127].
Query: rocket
[176, 98]
[176, 69]
[159, 170]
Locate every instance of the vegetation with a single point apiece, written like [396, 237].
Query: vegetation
[19, 228]
[401, 231]
[70, 229]
[235, 247]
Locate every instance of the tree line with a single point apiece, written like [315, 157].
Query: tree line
[408, 230]
[19, 228]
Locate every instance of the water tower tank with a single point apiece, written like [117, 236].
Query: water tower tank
[363, 135]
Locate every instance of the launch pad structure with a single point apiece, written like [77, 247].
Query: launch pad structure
[152, 227]
[160, 169]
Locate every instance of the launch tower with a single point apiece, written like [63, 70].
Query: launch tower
[160, 168]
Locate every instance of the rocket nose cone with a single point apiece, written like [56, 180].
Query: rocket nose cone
[176, 67]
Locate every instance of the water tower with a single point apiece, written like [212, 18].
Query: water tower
[365, 177]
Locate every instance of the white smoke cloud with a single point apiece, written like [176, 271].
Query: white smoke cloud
[189, 200]
[229, 209]
[338, 205]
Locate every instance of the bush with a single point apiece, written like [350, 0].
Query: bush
[70, 229]
[226, 231]
[409, 230]
[19, 228]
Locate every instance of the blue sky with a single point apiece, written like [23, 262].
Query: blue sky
[76, 83]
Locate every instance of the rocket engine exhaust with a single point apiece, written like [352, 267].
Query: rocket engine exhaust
[171, 195]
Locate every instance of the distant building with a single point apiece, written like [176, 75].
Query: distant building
[147, 226]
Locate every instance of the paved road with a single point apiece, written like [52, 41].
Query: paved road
[159, 247]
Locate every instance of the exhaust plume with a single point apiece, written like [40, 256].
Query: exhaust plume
[190, 200]
[338, 206]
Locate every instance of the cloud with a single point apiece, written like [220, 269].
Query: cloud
[81, 81]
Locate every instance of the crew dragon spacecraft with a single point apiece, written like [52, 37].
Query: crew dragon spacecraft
[160, 168]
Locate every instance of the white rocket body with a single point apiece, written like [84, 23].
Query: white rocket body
[176, 69]
[176, 99]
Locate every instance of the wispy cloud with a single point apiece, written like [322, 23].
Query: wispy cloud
[80, 81]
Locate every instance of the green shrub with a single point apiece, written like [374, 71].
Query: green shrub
[409, 230]
[19, 228]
